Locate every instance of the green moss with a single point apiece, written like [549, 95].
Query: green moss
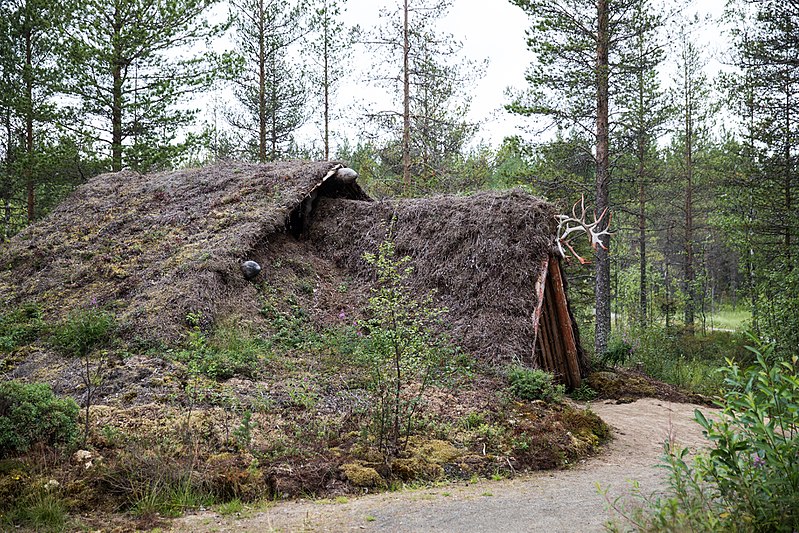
[433, 451]
[362, 476]
[414, 468]
[586, 423]
[612, 385]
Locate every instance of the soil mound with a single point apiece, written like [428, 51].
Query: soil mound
[154, 248]
[480, 254]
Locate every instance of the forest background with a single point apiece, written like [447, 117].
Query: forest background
[699, 170]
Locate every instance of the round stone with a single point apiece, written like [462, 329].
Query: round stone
[250, 269]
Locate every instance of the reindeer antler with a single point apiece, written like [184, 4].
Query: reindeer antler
[580, 225]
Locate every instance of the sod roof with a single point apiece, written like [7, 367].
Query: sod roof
[154, 248]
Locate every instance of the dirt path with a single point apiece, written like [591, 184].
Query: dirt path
[548, 502]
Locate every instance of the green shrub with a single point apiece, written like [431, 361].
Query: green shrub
[749, 481]
[687, 360]
[533, 384]
[227, 352]
[617, 353]
[403, 348]
[83, 331]
[583, 393]
[32, 414]
[20, 326]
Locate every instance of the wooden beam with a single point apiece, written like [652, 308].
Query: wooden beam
[557, 294]
[539, 287]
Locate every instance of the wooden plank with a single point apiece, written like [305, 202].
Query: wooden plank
[572, 376]
[539, 287]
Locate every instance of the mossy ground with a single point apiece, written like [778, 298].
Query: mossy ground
[166, 438]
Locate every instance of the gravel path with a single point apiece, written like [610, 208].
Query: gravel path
[565, 500]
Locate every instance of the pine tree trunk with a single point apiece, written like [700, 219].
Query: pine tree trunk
[788, 171]
[326, 81]
[7, 187]
[406, 103]
[30, 185]
[262, 85]
[688, 245]
[641, 153]
[602, 292]
[116, 95]
[642, 289]
[116, 120]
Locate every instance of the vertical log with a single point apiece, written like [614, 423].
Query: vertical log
[539, 287]
[572, 376]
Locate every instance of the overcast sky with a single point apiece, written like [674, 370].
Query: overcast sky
[488, 29]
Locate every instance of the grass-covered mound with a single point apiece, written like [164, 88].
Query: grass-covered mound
[156, 247]
[204, 386]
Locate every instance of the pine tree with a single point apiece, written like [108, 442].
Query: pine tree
[421, 67]
[30, 50]
[766, 91]
[132, 68]
[329, 48]
[578, 46]
[645, 112]
[270, 87]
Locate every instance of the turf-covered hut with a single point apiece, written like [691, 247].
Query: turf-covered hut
[157, 248]
[488, 257]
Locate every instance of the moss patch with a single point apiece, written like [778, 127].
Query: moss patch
[620, 386]
[362, 476]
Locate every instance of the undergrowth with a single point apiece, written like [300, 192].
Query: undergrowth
[316, 405]
[534, 384]
[229, 350]
[685, 359]
[749, 478]
[20, 326]
[31, 414]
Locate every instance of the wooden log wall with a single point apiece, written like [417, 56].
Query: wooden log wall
[556, 347]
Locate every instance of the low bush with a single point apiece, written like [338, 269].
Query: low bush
[404, 348]
[228, 351]
[82, 331]
[20, 326]
[749, 480]
[31, 414]
[619, 351]
[533, 384]
[687, 360]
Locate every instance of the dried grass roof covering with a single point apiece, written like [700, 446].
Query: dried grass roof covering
[155, 247]
[481, 254]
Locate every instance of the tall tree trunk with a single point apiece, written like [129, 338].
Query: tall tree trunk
[602, 293]
[688, 243]
[116, 96]
[641, 171]
[667, 274]
[787, 176]
[7, 186]
[262, 85]
[30, 185]
[273, 114]
[326, 81]
[643, 288]
[116, 119]
[406, 102]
